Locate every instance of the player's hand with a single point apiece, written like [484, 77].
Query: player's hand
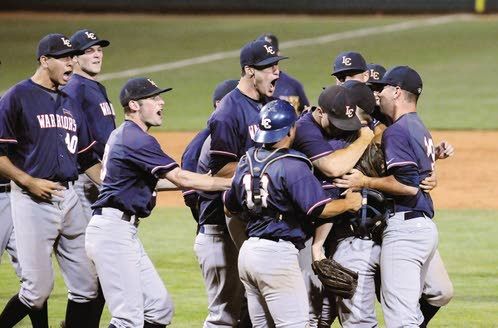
[354, 179]
[366, 133]
[354, 200]
[444, 150]
[44, 189]
[429, 183]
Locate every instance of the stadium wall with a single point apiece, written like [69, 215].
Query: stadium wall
[259, 6]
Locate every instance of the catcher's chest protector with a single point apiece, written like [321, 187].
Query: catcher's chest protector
[256, 181]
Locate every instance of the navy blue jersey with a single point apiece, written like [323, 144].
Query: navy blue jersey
[211, 209]
[190, 156]
[231, 126]
[189, 162]
[291, 90]
[292, 193]
[47, 131]
[408, 143]
[98, 110]
[311, 139]
[132, 164]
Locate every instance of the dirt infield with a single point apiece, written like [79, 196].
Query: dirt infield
[466, 180]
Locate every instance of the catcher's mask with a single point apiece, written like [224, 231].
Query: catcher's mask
[375, 207]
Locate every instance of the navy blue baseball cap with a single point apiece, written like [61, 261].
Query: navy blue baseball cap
[57, 46]
[404, 77]
[258, 54]
[139, 88]
[361, 95]
[270, 38]
[84, 39]
[276, 118]
[337, 102]
[349, 62]
[376, 73]
[223, 88]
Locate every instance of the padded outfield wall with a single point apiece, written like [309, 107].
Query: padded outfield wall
[266, 6]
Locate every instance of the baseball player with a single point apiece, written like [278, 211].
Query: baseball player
[214, 248]
[438, 289]
[49, 139]
[98, 111]
[332, 119]
[190, 157]
[133, 165]
[410, 239]
[287, 88]
[275, 189]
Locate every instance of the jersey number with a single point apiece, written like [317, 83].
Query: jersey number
[263, 190]
[430, 150]
[103, 171]
[71, 142]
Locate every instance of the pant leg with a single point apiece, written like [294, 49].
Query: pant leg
[36, 227]
[217, 257]
[274, 268]
[313, 285]
[112, 244]
[77, 270]
[363, 257]
[258, 309]
[407, 248]
[7, 236]
[438, 289]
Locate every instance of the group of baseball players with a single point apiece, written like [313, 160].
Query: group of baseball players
[271, 183]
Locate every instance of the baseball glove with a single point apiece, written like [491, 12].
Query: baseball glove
[371, 163]
[336, 278]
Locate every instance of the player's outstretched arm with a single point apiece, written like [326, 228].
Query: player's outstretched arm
[40, 188]
[186, 179]
[343, 160]
[355, 179]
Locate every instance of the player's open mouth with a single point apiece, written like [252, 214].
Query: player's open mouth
[272, 86]
[67, 75]
[160, 113]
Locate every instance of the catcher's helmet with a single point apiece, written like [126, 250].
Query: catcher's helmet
[275, 120]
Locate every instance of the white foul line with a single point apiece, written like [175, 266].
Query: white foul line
[290, 44]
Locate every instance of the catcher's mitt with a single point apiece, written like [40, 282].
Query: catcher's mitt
[372, 163]
[336, 278]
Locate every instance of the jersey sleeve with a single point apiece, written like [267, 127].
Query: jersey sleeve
[150, 158]
[397, 150]
[9, 109]
[304, 188]
[310, 141]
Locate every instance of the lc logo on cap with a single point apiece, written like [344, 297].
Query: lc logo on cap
[269, 49]
[152, 82]
[90, 35]
[349, 111]
[346, 61]
[66, 42]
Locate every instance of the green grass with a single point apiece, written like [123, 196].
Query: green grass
[468, 246]
[456, 60]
